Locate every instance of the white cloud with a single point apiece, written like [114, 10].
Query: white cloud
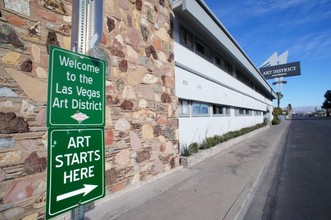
[263, 7]
[313, 46]
[238, 12]
[302, 26]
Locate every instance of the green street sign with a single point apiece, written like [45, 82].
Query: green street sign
[75, 168]
[76, 90]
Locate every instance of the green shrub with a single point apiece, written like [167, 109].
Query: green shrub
[204, 145]
[194, 147]
[277, 111]
[275, 121]
[235, 134]
[226, 136]
[212, 141]
[216, 139]
[186, 151]
[245, 130]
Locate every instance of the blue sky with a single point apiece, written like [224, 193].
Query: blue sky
[303, 27]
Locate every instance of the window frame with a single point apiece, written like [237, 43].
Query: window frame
[217, 56]
[183, 38]
[219, 107]
[180, 109]
[200, 113]
[227, 111]
[257, 113]
[248, 111]
[243, 112]
[228, 67]
[203, 54]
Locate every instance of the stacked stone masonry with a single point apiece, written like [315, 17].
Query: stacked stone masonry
[141, 133]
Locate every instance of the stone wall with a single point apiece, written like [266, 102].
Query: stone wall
[141, 133]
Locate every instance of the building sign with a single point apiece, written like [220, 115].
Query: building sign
[76, 90]
[75, 170]
[284, 70]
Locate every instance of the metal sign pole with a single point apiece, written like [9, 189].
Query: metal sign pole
[87, 20]
[79, 26]
[281, 80]
[72, 127]
[86, 33]
[78, 41]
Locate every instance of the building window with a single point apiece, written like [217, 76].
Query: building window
[218, 61]
[244, 79]
[243, 111]
[183, 108]
[228, 67]
[203, 50]
[258, 113]
[227, 111]
[218, 110]
[247, 112]
[186, 38]
[199, 108]
[240, 76]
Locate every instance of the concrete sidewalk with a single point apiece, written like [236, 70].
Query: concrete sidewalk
[217, 188]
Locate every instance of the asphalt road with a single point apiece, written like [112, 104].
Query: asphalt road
[297, 185]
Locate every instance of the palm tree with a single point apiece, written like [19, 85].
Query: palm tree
[289, 107]
[327, 103]
[279, 96]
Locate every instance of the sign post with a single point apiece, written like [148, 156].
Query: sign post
[278, 73]
[75, 120]
[76, 117]
[76, 168]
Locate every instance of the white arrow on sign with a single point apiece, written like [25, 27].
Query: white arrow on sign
[87, 189]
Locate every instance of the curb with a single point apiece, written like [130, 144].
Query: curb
[249, 190]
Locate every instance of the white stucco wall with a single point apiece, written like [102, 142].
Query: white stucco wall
[211, 84]
[196, 129]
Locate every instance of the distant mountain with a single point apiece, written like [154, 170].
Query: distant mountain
[306, 109]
